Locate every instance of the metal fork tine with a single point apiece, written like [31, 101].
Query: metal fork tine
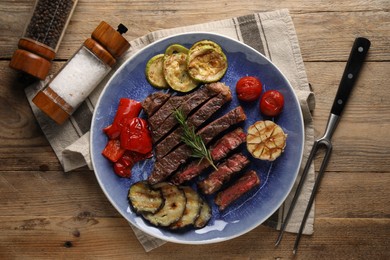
[314, 192]
[297, 192]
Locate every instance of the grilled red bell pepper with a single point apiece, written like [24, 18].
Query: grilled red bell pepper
[135, 136]
[124, 165]
[113, 150]
[122, 170]
[127, 108]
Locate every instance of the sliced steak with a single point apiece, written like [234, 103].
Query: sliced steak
[227, 143]
[193, 101]
[195, 120]
[244, 184]
[212, 130]
[158, 118]
[154, 102]
[226, 170]
[166, 166]
[218, 151]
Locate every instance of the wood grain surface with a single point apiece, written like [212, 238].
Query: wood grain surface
[48, 214]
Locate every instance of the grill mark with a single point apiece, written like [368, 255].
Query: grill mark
[166, 166]
[195, 120]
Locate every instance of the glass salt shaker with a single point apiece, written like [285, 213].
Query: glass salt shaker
[82, 73]
[42, 36]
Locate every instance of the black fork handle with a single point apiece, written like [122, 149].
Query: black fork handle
[355, 61]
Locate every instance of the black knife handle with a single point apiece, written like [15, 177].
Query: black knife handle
[352, 69]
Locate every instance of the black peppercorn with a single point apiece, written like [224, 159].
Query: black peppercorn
[48, 21]
[42, 36]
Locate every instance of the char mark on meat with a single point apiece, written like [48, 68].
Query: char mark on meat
[226, 170]
[195, 120]
[193, 101]
[212, 130]
[165, 111]
[165, 167]
[243, 185]
[154, 102]
[218, 151]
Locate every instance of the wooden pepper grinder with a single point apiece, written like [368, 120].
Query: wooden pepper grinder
[42, 36]
[82, 73]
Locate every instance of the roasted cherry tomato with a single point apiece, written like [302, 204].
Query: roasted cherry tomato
[271, 103]
[135, 136]
[248, 88]
[127, 108]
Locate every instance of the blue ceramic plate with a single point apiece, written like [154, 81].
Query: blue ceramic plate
[277, 178]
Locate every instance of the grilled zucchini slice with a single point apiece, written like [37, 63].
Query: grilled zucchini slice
[175, 48]
[206, 64]
[154, 72]
[174, 205]
[145, 199]
[206, 43]
[192, 210]
[176, 73]
[204, 215]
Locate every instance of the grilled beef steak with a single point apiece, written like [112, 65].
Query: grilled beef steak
[166, 166]
[219, 150]
[195, 120]
[226, 170]
[244, 184]
[227, 143]
[154, 102]
[221, 124]
[165, 111]
[163, 122]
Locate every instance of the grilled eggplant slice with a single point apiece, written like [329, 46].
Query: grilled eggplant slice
[176, 73]
[144, 199]
[174, 205]
[204, 215]
[154, 72]
[192, 210]
[206, 63]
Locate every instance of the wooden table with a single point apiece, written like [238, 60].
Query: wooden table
[46, 213]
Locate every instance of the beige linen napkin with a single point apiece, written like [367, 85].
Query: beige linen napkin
[271, 33]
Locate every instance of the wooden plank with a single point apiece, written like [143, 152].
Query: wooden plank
[354, 195]
[53, 194]
[88, 237]
[322, 34]
[329, 36]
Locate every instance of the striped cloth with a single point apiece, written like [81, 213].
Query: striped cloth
[271, 33]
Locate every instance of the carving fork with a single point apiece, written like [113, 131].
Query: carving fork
[352, 69]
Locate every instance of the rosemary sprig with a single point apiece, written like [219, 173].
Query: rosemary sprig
[194, 141]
